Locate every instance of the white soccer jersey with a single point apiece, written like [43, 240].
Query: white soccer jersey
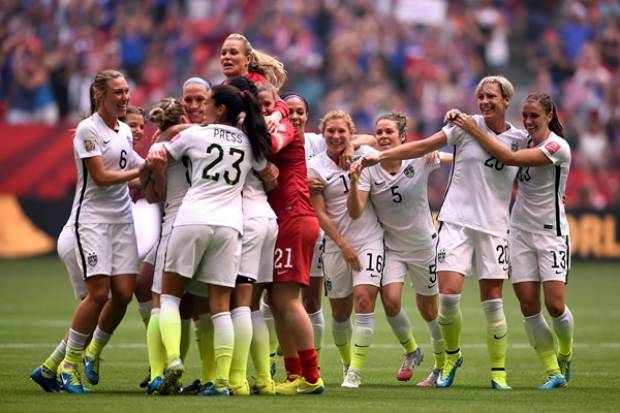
[108, 204]
[314, 144]
[177, 183]
[221, 157]
[480, 188]
[359, 232]
[539, 207]
[401, 204]
[255, 202]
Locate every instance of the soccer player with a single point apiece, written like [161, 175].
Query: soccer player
[539, 233]
[205, 241]
[147, 219]
[105, 241]
[313, 145]
[239, 58]
[353, 257]
[169, 191]
[398, 192]
[474, 224]
[298, 229]
[260, 230]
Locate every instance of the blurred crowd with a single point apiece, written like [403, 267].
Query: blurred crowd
[420, 57]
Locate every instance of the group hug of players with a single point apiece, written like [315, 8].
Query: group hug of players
[257, 215]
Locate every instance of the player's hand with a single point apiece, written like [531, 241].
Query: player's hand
[269, 176]
[451, 115]
[157, 161]
[355, 171]
[465, 122]
[346, 157]
[273, 122]
[432, 157]
[350, 256]
[369, 160]
[315, 185]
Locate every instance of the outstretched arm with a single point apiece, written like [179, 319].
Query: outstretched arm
[408, 150]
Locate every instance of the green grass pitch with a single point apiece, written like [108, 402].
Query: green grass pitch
[36, 303]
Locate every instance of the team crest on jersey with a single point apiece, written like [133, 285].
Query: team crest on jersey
[514, 146]
[441, 255]
[409, 171]
[92, 259]
[89, 145]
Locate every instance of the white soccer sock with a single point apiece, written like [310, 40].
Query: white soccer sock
[538, 332]
[318, 327]
[564, 327]
[271, 327]
[401, 326]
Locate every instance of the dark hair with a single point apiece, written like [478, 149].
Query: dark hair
[399, 119]
[294, 95]
[166, 113]
[100, 85]
[548, 106]
[237, 101]
[242, 83]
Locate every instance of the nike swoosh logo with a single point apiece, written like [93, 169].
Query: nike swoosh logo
[106, 142]
[559, 272]
[375, 275]
[431, 286]
[329, 178]
[280, 272]
[499, 338]
[379, 183]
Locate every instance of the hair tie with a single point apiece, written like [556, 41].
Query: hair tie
[245, 93]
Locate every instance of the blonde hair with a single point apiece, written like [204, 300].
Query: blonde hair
[262, 63]
[100, 85]
[337, 114]
[508, 91]
[166, 113]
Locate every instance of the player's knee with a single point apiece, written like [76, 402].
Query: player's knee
[122, 298]
[555, 308]
[392, 307]
[99, 296]
[311, 304]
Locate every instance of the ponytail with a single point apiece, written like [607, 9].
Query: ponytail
[243, 102]
[255, 127]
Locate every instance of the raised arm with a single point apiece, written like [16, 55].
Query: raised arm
[356, 199]
[524, 157]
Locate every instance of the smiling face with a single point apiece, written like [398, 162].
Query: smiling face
[386, 133]
[536, 121]
[194, 97]
[233, 58]
[267, 102]
[491, 103]
[337, 135]
[115, 98]
[297, 113]
[136, 124]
